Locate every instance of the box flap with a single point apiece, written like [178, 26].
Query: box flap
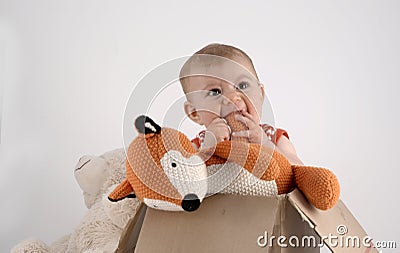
[338, 228]
[289, 225]
[237, 222]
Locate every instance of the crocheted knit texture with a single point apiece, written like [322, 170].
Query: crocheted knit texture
[231, 178]
[236, 125]
[147, 176]
[320, 185]
[234, 167]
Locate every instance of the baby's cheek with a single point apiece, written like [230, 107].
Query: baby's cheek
[208, 117]
[255, 110]
[209, 107]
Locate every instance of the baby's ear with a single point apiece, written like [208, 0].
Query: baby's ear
[192, 113]
[262, 87]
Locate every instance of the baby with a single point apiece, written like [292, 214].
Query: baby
[221, 79]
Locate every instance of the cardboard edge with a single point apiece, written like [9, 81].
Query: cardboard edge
[312, 215]
[303, 216]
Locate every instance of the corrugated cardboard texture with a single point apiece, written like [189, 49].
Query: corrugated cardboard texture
[224, 223]
[231, 223]
[338, 221]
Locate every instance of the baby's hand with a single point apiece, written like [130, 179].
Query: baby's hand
[216, 132]
[255, 133]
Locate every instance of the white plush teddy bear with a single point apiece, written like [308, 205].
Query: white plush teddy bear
[102, 226]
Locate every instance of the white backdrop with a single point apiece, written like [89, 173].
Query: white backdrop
[331, 70]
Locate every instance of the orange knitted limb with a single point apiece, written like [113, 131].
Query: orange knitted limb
[285, 182]
[236, 126]
[255, 158]
[121, 191]
[319, 185]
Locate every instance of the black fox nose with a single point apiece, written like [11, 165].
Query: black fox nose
[190, 202]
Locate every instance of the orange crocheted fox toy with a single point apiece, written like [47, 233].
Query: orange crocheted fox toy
[165, 171]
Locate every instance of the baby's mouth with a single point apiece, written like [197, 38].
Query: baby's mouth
[233, 110]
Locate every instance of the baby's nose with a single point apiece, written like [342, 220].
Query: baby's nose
[233, 96]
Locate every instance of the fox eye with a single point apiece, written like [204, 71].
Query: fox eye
[243, 85]
[214, 92]
[173, 165]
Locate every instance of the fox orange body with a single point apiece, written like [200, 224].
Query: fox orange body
[165, 171]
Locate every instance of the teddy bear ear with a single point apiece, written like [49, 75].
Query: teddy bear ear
[146, 125]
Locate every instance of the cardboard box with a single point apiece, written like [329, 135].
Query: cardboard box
[232, 223]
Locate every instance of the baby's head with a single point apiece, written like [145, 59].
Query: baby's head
[220, 79]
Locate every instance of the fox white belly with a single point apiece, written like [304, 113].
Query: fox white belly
[231, 178]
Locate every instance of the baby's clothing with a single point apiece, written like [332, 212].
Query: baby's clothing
[273, 134]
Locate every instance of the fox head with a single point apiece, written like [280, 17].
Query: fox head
[163, 169]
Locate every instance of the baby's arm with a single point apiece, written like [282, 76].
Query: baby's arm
[286, 148]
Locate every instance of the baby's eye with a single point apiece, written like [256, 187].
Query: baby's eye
[243, 85]
[214, 92]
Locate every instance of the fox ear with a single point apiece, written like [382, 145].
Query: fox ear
[122, 191]
[146, 125]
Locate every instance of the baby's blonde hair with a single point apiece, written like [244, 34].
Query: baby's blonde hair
[221, 50]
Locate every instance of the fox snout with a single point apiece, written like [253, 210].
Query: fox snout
[190, 202]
